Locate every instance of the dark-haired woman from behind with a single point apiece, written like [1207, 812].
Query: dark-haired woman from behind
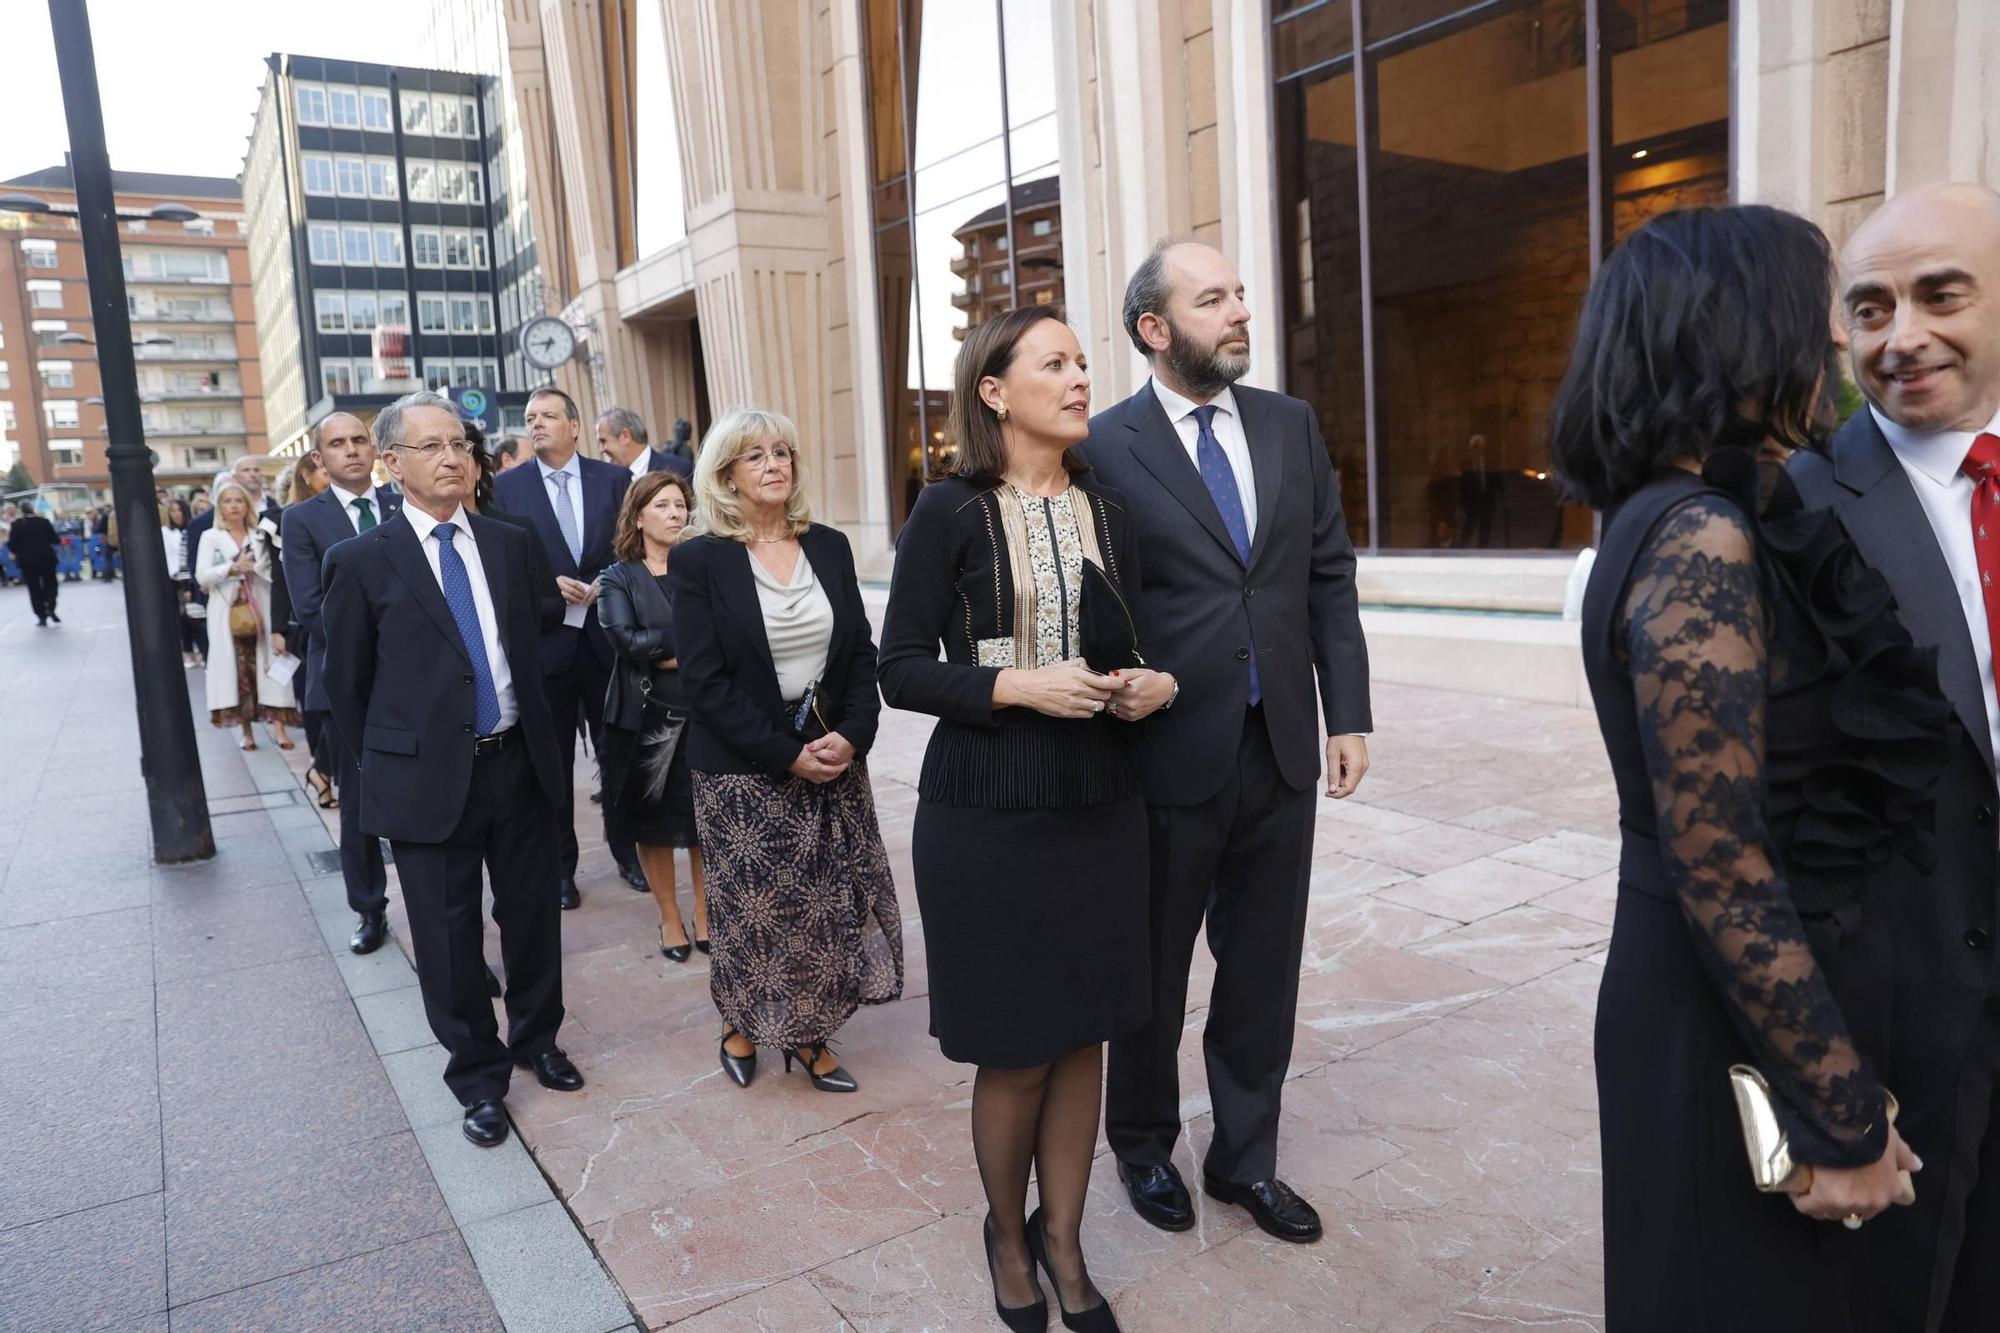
[1030, 842]
[1773, 733]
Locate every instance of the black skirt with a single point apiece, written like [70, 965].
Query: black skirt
[1035, 927]
[638, 808]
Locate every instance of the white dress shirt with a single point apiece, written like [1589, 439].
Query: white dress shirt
[639, 466]
[1227, 427]
[347, 499]
[1933, 462]
[482, 600]
[573, 616]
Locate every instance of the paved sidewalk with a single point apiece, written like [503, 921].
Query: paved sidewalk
[202, 1134]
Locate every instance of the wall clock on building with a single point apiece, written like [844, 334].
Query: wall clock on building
[547, 342]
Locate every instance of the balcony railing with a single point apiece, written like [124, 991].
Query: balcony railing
[219, 315]
[184, 354]
[164, 431]
[177, 280]
[184, 395]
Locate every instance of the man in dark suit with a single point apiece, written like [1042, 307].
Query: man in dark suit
[573, 503]
[621, 437]
[433, 674]
[32, 541]
[351, 504]
[1915, 477]
[1248, 595]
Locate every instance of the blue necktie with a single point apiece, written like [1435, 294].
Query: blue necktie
[1220, 478]
[458, 596]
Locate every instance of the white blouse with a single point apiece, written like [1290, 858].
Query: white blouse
[798, 621]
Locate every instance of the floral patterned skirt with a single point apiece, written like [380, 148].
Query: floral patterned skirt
[802, 909]
[247, 708]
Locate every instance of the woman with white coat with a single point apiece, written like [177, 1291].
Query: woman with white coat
[237, 565]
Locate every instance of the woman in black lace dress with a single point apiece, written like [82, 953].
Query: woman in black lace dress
[1773, 734]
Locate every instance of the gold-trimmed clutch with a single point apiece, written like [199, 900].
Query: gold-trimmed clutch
[1772, 1169]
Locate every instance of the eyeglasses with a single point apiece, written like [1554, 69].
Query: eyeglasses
[431, 450]
[756, 458]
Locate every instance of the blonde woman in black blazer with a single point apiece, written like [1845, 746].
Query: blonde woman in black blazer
[779, 665]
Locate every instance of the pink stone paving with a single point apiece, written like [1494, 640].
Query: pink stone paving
[1440, 1109]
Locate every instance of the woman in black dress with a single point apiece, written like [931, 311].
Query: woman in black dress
[1773, 733]
[1030, 843]
[648, 796]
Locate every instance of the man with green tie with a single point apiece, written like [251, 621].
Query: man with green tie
[350, 504]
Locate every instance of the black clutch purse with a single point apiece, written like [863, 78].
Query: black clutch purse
[1105, 624]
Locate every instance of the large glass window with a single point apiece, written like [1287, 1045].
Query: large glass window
[388, 247]
[967, 206]
[316, 173]
[323, 238]
[382, 177]
[375, 110]
[343, 108]
[351, 177]
[357, 245]
[311, 104]
[1472, 137]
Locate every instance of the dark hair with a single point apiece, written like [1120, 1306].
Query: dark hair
[569, 403]
[508, 446]
[482, 458]
[179, 512]
[989, 350]
[630, 543]
[1147, 293]
[1707, 328]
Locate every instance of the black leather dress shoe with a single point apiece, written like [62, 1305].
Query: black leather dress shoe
[571, 899]
[1272, 1206]
[553, 1070]
[1158, 1194]
[370, 932]
[635, 877]
[486, 1124]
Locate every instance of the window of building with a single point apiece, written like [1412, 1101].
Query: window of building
[336, 376]
[375, 110]
[464, 315]
[1042, 226]
[57, 374]
[330, 311]
[1433, 394]
[394, 310]
[203, 455]
[437, 375]
[350, 176]
[507, 306]
[7, 419]
[444, 117]
[343, 108]
[426, 250]
[382, 177]
[357, 245]
[431, 314]
[475, 183]
[311, 99]
[457, 249]
[485, 313]
[66, 453]
[388, 247]
[479, 249]
[6, 376]
[360, 311]
[46, 331]
[420, 182]
[45, 294]
[416, 113]
[468, 118]
[39, 253]
[323, 241]
[451, 182]
[59, 414]
[316, 173]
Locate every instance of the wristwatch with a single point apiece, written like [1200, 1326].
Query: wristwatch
[1175, 695]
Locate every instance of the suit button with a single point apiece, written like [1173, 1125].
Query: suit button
[466, 727]
[1242, 654]
[468, 680]
[1249, 592]
[1977, 938]
[1984, 814]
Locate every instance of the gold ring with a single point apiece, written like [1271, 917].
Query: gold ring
[1852, 1221]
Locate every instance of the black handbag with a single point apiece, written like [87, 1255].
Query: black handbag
[1108, 631]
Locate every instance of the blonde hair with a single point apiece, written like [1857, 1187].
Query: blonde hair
[718, 509]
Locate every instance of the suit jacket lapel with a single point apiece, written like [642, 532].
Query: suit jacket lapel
[543, 515]
[1889, 525]
[1158, 447]
[1267, 458]
[406, 557]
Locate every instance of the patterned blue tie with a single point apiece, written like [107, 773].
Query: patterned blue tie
[1220, 478]
[458, 596]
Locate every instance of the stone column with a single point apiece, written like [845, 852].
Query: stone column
[1946, 122]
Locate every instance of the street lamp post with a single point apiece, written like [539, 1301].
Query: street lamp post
[167, 755]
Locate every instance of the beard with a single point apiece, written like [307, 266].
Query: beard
[1204, 369]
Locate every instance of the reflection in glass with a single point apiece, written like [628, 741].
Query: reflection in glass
[657, 197]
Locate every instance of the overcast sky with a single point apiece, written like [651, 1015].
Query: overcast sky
[178, 78]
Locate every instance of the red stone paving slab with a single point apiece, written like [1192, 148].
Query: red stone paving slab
[1441, 1109]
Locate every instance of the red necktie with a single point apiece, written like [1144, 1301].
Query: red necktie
[1982, 464]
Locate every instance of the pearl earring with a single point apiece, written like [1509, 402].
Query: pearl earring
[1001, 411]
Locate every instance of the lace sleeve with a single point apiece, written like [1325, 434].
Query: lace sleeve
[1696, 648]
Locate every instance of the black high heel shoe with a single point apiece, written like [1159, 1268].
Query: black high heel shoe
[701, 943]
[677, 953]
[740, 1068]
[1019, 1318]
[837, 1081]
[1098, 1318]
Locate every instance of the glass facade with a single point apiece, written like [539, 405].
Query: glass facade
[1446, 185]
[967, 212]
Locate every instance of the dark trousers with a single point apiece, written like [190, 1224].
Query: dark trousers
[1242, 859]
[506, 830]
[1965, 1277]
[574, 695]
[360, 853]
[41, 581]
